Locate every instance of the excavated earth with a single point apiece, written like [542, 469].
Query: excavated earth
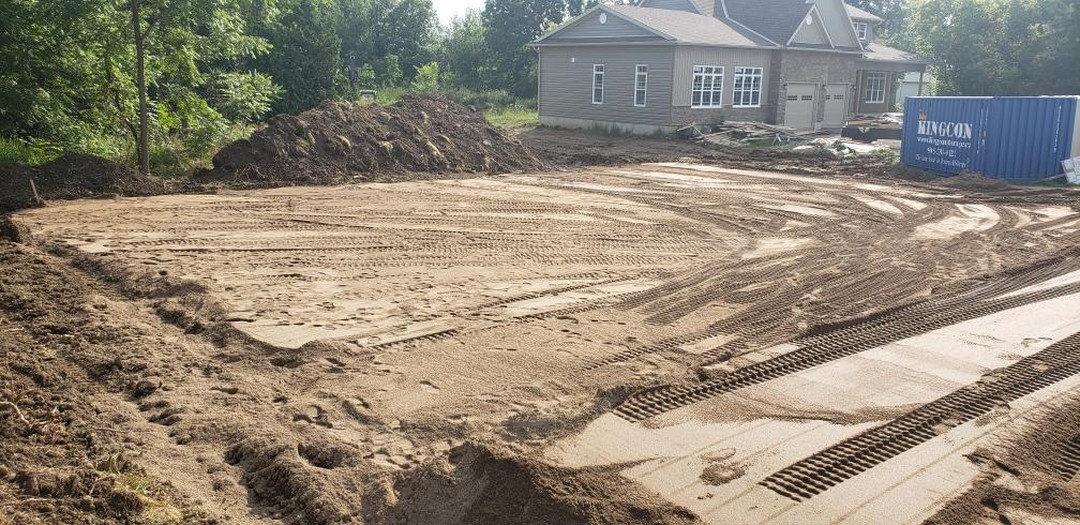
[649, 343]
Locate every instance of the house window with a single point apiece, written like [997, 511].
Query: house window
[598, 84]
[875, 87]
[748, 87]
[708, 87]
[860, 29]
[641, 85]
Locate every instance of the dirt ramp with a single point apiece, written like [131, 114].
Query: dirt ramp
[342, 142]
[492, 485]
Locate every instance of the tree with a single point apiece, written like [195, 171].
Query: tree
[306, 54]
[465, 53]
[373, 30]
[894, 12]
[510, 26]
[997, 47]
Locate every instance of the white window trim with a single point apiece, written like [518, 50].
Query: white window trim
[645, 86]
[865, 30]
[592, 83]
[723, 78]
[884, 87]
[735, 80]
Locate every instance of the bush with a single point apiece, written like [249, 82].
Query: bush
[26, 152]
[493, 99]
[427, 78]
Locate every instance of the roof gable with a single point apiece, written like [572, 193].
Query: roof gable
[776, 20]
[599, 24]
[624, 23]
[811, 32]
[834, 15]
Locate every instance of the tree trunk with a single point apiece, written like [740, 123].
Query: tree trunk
[143, 145]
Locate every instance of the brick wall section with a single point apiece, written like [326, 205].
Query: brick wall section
[815, 68]
[772, 96]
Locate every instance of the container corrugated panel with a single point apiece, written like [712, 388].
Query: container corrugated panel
[1013, 138]
[1028, 137]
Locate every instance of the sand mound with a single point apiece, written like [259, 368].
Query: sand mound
[72, 176]
[489, 484]
[342, 142]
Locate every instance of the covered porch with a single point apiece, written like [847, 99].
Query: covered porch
[878, 77]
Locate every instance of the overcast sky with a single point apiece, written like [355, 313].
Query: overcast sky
[447, 9]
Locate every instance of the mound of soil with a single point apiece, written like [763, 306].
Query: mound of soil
[72, 176]
[63, 459]
[490, 484]
[341, 142]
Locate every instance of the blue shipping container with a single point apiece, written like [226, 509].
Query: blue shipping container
[1012, 138]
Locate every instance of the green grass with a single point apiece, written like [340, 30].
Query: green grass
[32, 153]
[512, 116]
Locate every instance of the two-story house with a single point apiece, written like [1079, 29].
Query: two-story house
[662, 64]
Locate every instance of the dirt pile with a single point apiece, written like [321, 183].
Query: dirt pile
[341, 142]
[62, 460]
[72, 176]
[489, 484]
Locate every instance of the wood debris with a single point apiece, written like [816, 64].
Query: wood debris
[739, 133]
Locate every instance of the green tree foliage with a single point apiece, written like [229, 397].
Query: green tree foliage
[510, 26]
[373, 31]
[306, 57]
[894, 12]
[997, 47]
[465, 53]
[71, 69]
[427, 78]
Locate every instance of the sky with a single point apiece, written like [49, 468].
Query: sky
[448, 9]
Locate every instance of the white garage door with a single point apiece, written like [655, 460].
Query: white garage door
[799, 106]
[836, 104]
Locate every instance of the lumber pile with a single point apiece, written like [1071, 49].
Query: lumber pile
[737, 133]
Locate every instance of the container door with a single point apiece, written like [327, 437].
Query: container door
[799, 106]
[836, 104]
[1027, 137]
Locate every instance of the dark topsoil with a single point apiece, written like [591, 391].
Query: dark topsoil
[73, 176]
[340, 142]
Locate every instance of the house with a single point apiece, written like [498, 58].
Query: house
[662, 64]
[914, 85]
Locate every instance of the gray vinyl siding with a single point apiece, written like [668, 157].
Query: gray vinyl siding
[566, 83]
[811, 34]
[675, 5]
[837, 21]
[686, 57]
[589, 27]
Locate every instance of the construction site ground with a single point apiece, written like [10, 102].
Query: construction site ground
[654, 342]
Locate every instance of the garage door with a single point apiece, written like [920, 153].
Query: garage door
[836, 104]
[799, 106]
